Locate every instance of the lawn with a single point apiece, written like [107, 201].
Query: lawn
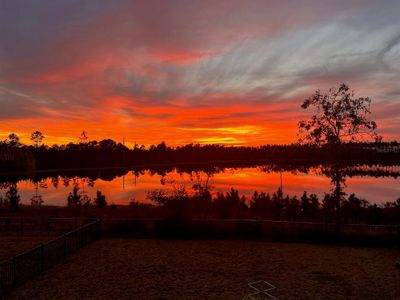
[208, 269]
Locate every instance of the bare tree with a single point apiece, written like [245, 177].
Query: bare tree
[83, 138]
[338, 117]
[37, 138]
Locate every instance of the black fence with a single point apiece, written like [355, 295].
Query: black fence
[28, 226]
[352, 234]
[27, 265]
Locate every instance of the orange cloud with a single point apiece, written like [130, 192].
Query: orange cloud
[179, 57]
[229, 73]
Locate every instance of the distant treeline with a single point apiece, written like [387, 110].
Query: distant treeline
[63, 176]
[201, 204]
[180, 204]
[108, 153]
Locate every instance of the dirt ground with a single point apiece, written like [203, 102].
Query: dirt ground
[12, 245]
[200, 269]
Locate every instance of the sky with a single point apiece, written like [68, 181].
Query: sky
[229, 72]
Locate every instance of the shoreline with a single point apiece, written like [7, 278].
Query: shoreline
[200, 163]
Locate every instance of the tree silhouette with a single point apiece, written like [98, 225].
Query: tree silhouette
[13, 140]
[100, 200]
[74, 198]
[83, 138]
[309, 205]
[12, 197]
[37, 138]
[37, 199]
[339, 117]
[338, 182]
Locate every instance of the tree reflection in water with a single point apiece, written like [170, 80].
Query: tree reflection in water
[198, 198]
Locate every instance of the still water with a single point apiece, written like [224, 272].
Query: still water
[376, 187]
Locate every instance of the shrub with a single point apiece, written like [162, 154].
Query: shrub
[100, 200]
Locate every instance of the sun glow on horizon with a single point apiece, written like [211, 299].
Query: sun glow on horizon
[198, 74]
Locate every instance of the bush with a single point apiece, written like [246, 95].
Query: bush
[100, 200]
[12, 198]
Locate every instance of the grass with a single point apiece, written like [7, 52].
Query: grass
[201, 269]
[12, 245]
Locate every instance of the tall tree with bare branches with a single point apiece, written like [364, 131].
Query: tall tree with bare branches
[338, 117]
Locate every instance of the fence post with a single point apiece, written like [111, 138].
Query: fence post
[48, 226]
[21, 224]
[14, 273]
[1, 283]
[80, 238]
[65, 246]
[41, 258]
[99, 228]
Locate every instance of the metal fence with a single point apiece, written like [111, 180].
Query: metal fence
[25, 266]
[28, 226]
[357, 234]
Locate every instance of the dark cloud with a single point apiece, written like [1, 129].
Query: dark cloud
[68, 57]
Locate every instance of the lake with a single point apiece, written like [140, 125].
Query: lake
[377, 184]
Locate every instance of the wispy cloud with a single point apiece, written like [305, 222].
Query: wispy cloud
[147, 69]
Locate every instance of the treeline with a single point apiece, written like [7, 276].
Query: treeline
[108, 153]
[200, 203]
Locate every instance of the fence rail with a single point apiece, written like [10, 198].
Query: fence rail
[362, 234]
[25, 226]
[27, 265]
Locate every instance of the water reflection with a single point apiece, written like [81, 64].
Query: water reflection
[376, 183]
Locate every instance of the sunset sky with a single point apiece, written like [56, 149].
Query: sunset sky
[204, 71]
